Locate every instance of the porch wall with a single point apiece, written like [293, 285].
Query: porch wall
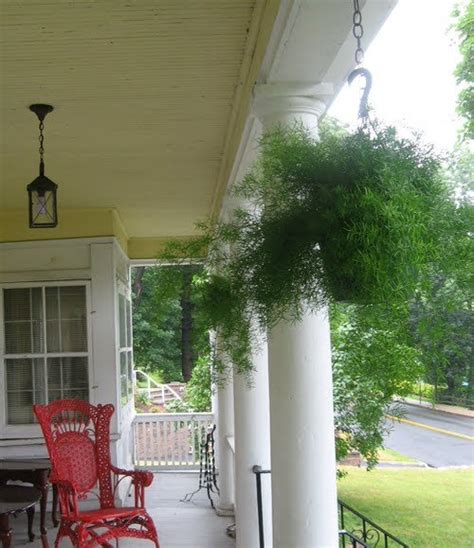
[102, 264]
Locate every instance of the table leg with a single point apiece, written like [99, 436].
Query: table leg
[55, 506]
[43, 485]
[5, 531]
[30, 513]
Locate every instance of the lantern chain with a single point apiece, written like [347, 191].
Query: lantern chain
[41, 140]
[358, 32]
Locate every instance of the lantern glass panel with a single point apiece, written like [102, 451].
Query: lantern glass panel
[43, 208]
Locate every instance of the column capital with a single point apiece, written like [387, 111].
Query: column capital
[288, 102]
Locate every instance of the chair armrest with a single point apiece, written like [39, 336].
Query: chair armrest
[141, 477]
[140, 480]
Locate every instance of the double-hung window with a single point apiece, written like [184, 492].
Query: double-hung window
[45, 347]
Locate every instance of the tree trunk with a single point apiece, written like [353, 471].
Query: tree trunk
[186, 326]
[137, 288]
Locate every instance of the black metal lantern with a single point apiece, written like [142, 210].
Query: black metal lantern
[42, 203]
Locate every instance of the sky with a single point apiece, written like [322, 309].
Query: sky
[412, 61]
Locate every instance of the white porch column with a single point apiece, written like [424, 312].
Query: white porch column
[252, 446]
[225, 458]
[301, 404]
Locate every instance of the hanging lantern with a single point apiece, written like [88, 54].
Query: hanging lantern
[42, 203]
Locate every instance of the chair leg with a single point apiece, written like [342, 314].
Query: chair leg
[62, 532]
[150, 525]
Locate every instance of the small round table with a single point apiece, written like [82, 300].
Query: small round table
[15, 499]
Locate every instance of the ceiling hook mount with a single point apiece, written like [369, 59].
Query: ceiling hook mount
[364, 101]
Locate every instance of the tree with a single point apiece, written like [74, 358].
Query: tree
[373, 361]
[168, 334]
[155, 327]
[442, 314]
[465, 69]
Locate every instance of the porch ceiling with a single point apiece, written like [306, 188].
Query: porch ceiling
[148, 96]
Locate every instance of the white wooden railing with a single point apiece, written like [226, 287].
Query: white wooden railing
[154, 390]
[169, 440]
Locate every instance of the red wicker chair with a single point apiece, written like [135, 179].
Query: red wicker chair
[77, 435]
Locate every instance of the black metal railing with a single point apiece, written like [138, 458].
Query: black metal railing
[356, 530]
[258, 471]
[348, 540]
[365, 529]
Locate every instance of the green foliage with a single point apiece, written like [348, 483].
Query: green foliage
[465, 69]
[156, 324]
[442, 313]
[199, 388]
[424, 507]
[178, 406]
[224, 308]
[372, 362]
[351, 217]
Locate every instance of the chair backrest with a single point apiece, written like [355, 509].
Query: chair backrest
[77, 436]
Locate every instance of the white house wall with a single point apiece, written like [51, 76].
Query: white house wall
[100, 263]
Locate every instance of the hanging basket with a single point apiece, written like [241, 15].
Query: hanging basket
[351, 217]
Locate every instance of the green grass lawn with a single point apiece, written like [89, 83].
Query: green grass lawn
[423, 507]
[389, 455]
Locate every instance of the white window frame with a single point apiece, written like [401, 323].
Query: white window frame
[9, 431]
[125, 291]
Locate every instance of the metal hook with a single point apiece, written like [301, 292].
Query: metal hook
[363, 106]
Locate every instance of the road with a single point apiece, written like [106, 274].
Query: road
[432, 447]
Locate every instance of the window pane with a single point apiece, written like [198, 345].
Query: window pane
[52, 319]
[52, 336]
[54, 375]
[54, 395]
[25, 387]
[36, 303]
[23, 320]
[52, 303]
[74, 335]
[67, 319]
[20, 407]
[123, 337]
[66, 374]
[75, 373]
[17, 304]
[128, 324]
[19, 374]
[123, 377]
[38, 377]
[76, 394]
[18, 337]
[72, 302]
[130, 374]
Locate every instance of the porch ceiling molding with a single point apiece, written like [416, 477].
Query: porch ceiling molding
[149, 248]
[75, 223]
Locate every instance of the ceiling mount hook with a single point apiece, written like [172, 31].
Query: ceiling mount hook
[364, 101]
[41, 110]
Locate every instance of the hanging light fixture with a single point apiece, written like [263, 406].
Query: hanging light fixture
[42, 202]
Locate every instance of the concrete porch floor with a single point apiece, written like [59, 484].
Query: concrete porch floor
[179, 524]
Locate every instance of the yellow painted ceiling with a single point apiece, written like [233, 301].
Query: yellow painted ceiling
[148, 95]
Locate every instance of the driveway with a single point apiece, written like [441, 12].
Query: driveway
[445, 446]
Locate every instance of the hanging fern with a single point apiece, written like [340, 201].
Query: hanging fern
[350, 217]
